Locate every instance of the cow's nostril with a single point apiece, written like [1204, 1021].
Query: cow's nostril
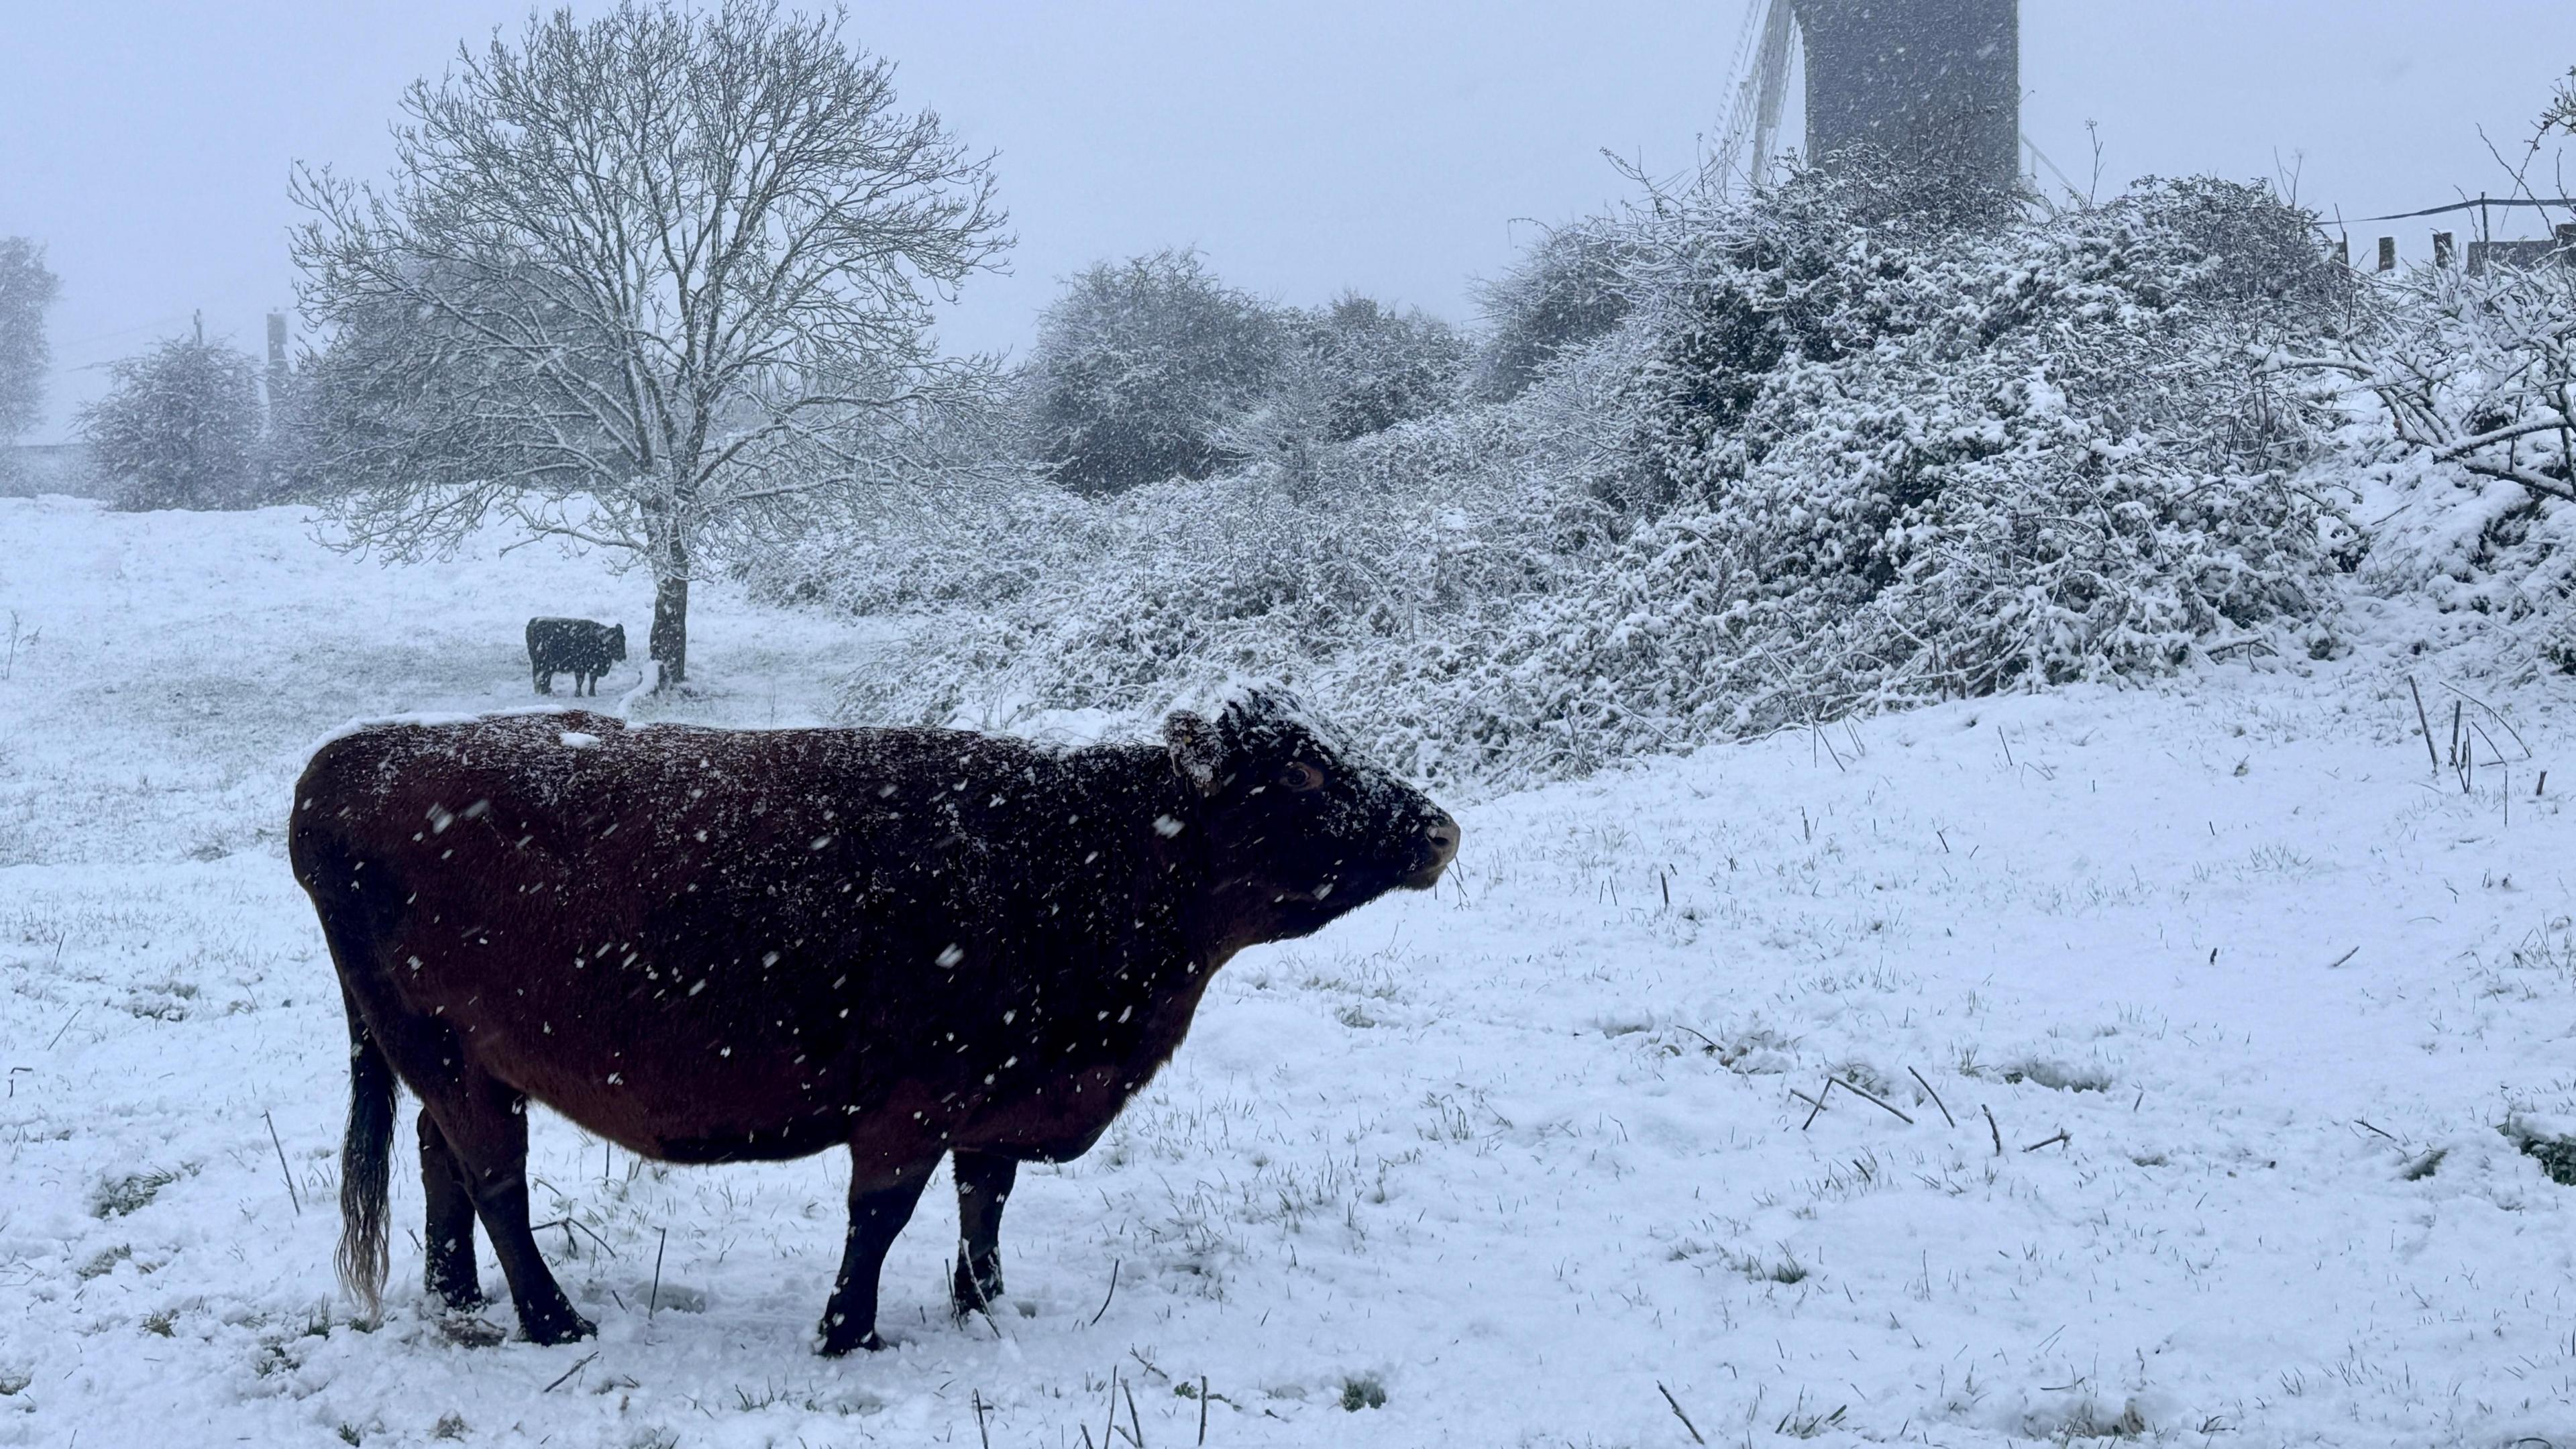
[1443, 835]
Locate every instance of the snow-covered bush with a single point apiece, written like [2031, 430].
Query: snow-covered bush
[1895, 460]
[1564, 292]
[1381, 365]
[1837, 456]
[1154, 369]
[1140, 365]
[179, 427]
[2470, 450]
[1354, 368]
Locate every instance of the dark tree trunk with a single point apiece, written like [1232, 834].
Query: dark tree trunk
[668, 645]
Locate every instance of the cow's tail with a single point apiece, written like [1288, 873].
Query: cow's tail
[366, 1152]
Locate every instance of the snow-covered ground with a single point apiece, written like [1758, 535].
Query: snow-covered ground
[2225, 996]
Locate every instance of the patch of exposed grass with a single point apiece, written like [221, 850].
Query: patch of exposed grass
[2556, 1153]
[129, 1192]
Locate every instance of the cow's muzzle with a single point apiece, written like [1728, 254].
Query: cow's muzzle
[1440, 846]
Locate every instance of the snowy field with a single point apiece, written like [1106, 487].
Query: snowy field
[2233, 1010]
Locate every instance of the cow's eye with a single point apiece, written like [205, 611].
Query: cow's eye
[1301, 777]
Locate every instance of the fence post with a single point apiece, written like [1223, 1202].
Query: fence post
[2388, 254]
[2441, 248]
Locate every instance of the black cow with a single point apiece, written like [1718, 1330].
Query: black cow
[715, 945]
[581, 648]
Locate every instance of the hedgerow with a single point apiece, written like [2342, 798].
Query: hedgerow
[1849, 446]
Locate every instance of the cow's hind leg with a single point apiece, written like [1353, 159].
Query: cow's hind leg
[486, 1127]
[449, 1235]
[983, 1185]
[879, 1207]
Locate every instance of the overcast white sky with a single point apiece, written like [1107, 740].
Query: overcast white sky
[1392, 147]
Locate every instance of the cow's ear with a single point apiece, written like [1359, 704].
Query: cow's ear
[1195, 751]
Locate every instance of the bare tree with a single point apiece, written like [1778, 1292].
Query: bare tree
[657, 282]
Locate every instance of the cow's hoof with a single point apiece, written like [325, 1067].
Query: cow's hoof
[462, 1300]
[568, 1327]
[837, 1344]
[970, 1291]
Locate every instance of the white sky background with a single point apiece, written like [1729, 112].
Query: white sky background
[1306, 148]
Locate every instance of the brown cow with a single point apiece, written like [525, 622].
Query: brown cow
[715, 945]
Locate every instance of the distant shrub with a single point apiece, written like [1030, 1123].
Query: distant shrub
[179, 428]
[1141, 365]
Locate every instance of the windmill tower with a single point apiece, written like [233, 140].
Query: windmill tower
[1933, 83]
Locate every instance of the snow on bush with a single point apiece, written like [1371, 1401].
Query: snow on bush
[180, 427]
[1140, 364]
[1843, 452]
[1153, 369]
[2468, 452]
[1564, 292]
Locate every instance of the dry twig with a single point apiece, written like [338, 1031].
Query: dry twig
[291, 1194]
[578, 1365]
[1819, 1099]
[1677, 1412]
[1875, 1100]
[2423, 724]
[1113, 1292]
[1936, 1097]
[655, 1302]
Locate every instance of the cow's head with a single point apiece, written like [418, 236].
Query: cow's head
[1298, 830]
[617, 642]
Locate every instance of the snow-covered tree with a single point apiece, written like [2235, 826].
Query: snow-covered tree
[1141, 367]
[660, 282]
[26, 290]
[179, 427]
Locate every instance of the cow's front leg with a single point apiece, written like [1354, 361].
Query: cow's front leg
[881, 1202]
[983, 1185]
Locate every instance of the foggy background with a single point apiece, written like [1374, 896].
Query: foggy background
[1399, 150]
